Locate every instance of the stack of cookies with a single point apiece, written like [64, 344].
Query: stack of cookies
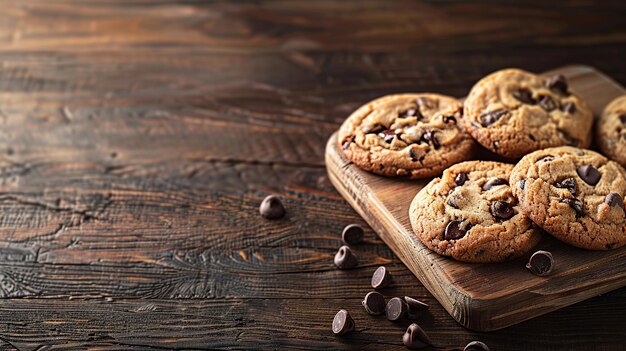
[487, 211]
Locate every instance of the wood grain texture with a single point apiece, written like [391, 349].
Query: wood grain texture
[485, 297]
[137, 139]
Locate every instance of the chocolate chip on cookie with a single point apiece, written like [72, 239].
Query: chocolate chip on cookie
[470, 214]
[611, 130]
[558, 83]
[589, 214]
[514, 112]
[408, 135]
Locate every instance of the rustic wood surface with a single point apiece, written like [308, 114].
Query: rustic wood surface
[489, 296]
[138, 138]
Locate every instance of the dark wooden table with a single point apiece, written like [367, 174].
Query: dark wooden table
[138, 138]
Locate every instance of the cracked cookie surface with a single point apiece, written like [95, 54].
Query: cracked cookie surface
[574, 194]
[611, 130]
[513, 112]
[471, 215]
[411, 135]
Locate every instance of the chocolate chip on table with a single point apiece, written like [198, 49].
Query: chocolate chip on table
[494, 182]
[352, 234]
[540, 263]
[569, 107]
[381, 278]
[453, 231]
[589, 174]
[396, 309]
[272, 208]
[614, 199]
[525, 96]
[345, 258]
[430, 138]
[476, 346]
[412, 112]
[416, 307]
[415, 337]
[489, 118]
[521, 184]
[460, 178]
[501, 210]
[557, 83]
[343, 323]
[374, 303]
[569, 184]
[547, 103]
[576, 204]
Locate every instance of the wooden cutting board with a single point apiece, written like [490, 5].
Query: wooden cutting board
[484, 297]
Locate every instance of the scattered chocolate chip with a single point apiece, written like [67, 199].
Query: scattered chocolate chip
[416, 307]
[525, 96]
[345, 258]
[453, 231]
[492, 117]
[521, 184]
[476, 346]
[614, 199]
[412, 112]
[396, 309]
[622, 118]
[540, 263]
[413, 155]
[589, 174]
[501, 210]
[352, 234]
[569, 184]
[343, 323]
[381, 278]
[576, 204]
[557, 83]
[460, 178]
[387, 135]
[374, 303]
[545, 158]
[547, 103]
[415, 337]
[452, 202]
[448, 119]
[272, 208]
[569, 107]
[430, 138]
[494, 182]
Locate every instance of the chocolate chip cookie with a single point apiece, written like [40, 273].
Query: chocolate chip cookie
[412, 135]
[611, 130]
[471, 215]
[513, 112]
[574, 194]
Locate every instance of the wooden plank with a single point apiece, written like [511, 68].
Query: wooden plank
[292, 324]
[484, 297]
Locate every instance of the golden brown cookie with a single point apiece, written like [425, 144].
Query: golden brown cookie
[471, 215]
[574, 194]
[611, 130]
[513, 112]
[412, 135]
